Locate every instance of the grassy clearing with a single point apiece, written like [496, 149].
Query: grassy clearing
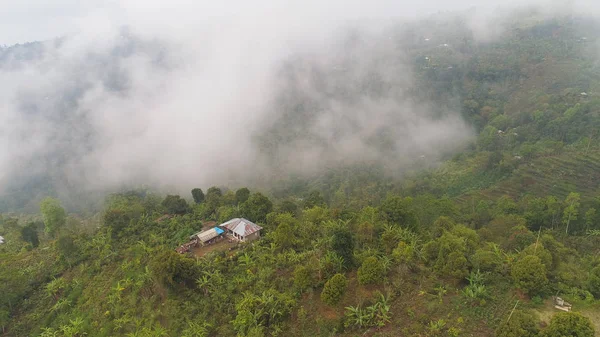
[547, 310]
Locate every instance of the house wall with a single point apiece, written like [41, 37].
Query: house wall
[252, 236]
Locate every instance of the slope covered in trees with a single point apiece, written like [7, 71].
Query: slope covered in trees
[474, 246]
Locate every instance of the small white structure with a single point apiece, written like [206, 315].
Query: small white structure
[242, 229]
[1, 240]
[560, 304]
[584, 94]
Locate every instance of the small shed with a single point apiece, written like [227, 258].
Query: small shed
[207, 235]
[1, 240]
[242, 229]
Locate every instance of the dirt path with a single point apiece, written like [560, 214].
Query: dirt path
[222, 245]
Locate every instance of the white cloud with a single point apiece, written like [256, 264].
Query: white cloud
[188, 113]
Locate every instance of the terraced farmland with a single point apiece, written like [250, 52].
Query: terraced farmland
[553, 175]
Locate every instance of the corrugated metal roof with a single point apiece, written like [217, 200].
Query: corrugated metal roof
[207, 235]
[241, 226]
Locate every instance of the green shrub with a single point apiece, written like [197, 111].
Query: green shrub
[371, 271]
[486, 260]
[334, 289]
[569, 324]
[404, 253]
[302, 278]
[520, 324]
[456, 266]
[171, 269]
[529, 274]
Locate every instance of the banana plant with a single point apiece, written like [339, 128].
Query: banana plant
[245, 260]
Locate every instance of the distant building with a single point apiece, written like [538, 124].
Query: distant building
[1, 240]
[242, 229]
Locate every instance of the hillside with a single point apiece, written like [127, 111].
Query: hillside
[398, 238]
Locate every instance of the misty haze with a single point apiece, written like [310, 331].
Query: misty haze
[300, 168]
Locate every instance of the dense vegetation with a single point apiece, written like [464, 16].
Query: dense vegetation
[474, 247]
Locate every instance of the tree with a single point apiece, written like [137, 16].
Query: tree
[334, 289]
[67, 248]
[212, 201]
[540, 251]
[442, 224]
[151, 203]
[117, 220]
[536, 214]
[175, 204]
[470, 237]
[284, 236]
[241, 195]
[371, 271]
[29, 234]
[226, 213]
[303, 278]
[594, 282]
[198, 195]
[590, 218]
[529, 274]
[365, 233]
[313, 199]
[4, 318]
[486, 260]
[256, 207]
[171, 269]
[571, 210]
[456, 266]
[53, 214]
[520, 324]
[404, 254]
[488, 139]
[288, 206]
[569, 324]
[213, 194]
[505, 205]
[552, 209]
[447, 253]
[343, 245]
[494, 159]
[398, 210]
[228, 199]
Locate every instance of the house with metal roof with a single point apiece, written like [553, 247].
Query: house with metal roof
[242, 229]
